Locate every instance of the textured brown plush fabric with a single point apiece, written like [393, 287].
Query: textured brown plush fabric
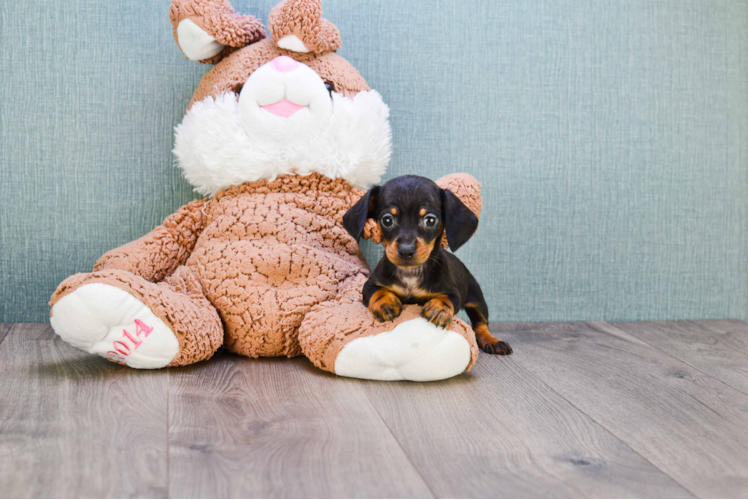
[231, 73]
[247, 266]
[269, 253]
[303, 18]
[157, 254]
[218, 19]
[246, 50]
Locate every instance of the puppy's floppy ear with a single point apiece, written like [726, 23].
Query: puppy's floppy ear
[355, 218]
[459, 221]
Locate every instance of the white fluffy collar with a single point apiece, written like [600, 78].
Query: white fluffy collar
[215, 152]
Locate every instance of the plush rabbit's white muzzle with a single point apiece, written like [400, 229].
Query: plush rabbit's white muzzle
[283, 100]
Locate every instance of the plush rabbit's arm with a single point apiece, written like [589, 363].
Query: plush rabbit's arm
[157, 254]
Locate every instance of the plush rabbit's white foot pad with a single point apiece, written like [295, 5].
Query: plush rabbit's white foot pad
[105, 320]
[414, 350]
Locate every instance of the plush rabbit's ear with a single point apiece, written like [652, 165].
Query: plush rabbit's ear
[209, 30]
[297, 25]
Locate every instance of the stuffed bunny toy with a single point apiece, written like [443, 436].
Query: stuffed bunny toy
[281, 136]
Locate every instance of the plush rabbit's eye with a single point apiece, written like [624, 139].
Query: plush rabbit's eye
[330, 88]
[387, 221]
[430, 220]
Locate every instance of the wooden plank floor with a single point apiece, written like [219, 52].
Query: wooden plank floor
[579, 410]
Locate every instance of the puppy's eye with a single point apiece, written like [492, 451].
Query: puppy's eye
[430, 220]
[330, 88]
[387, 221]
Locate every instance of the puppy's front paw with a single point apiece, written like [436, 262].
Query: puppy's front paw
[439, 311]
[498, 347]
[385, 305]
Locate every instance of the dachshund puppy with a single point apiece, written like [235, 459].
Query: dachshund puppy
[413, 213]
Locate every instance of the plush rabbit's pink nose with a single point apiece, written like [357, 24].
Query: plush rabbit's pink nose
[284, 64]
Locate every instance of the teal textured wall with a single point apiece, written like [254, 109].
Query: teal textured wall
[611, 137]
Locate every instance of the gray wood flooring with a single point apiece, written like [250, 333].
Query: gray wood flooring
[579, 410]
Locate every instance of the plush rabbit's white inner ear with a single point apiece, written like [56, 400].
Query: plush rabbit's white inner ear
[196, 44]
[292, 42]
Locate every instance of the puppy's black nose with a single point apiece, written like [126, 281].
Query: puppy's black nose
[406, 251]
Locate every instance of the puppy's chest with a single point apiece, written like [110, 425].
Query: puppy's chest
[412, 283]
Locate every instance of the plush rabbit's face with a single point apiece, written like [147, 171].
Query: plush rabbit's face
[285, 100]
[283, 105]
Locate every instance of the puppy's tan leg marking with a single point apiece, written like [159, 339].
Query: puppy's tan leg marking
[486, 341]
[489, 343]
[385, 305]
[439, 311]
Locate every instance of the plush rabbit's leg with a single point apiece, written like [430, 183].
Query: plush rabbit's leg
[345, 339]
[123, 317]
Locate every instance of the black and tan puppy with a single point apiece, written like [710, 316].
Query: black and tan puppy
[413, 213]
